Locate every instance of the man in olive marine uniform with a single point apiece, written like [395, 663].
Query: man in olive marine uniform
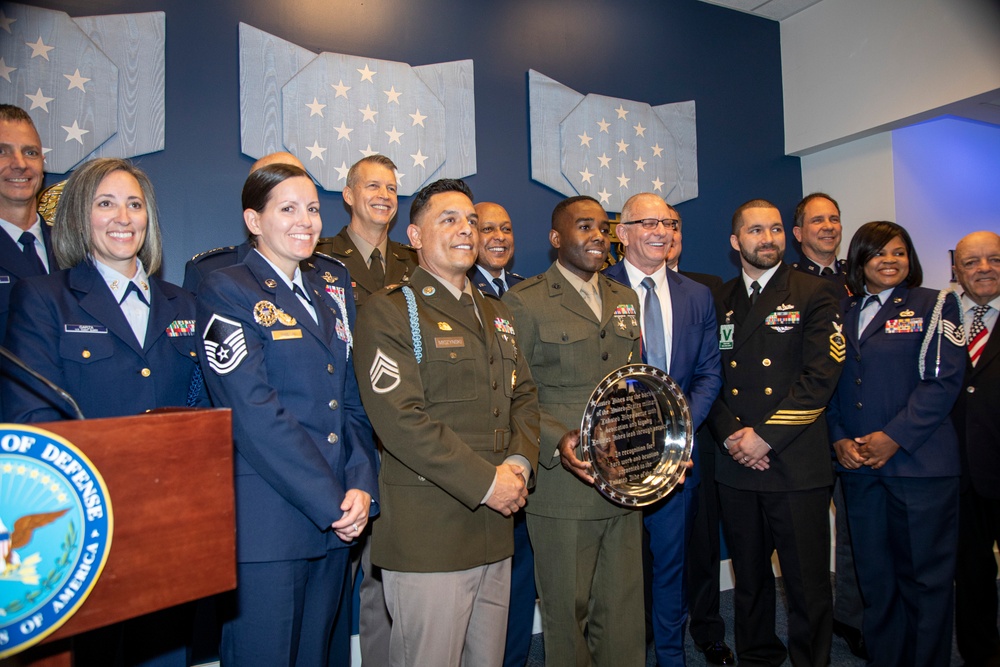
[451, 398]
[575, 327]
[363, 245]
[782, 354]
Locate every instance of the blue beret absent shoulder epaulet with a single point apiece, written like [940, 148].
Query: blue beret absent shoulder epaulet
[214, 251]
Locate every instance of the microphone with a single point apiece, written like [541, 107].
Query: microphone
[48, 383]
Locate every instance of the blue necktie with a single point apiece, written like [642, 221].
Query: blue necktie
[500, 287]
[27, 242]
[652, 318]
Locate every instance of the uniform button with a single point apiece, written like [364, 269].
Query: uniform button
[604, 357]
[146, 372]
[491, 358]
[494, 384]
[767, 391]
[732, 364]
[857, 357]
[329, 369]
[736, 392]
[766, 362]
[858, 405]
[85, 354]
[604, 332]
[454, 355]
[565, 337]
[193, 354]
[334, 404]
[332, 438]
[857, 381]
[496, 412]
[970, 389]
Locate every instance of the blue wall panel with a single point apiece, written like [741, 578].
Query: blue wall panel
[656, 51]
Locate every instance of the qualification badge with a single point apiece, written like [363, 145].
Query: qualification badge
[286, 319]
[329, 277]
[444, 326]
[265, 313]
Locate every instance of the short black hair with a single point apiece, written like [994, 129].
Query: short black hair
[566, 203]
[753, 203]
[436, 188]
[870, 238]
[800, 209]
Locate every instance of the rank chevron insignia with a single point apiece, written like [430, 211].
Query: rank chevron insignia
[838, 345]
[384, 373]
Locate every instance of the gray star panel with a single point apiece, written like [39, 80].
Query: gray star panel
[93, 86]
[332, 109]
[610, 148]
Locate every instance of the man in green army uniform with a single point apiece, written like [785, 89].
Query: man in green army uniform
[363, 245]
[575, 326]
[451, 398]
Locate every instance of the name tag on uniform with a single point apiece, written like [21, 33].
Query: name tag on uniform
[286, 334]
[85, 328]
[726, 336]
[454, 341]
[904, 325]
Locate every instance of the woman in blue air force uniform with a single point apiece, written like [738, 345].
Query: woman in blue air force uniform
[118, 339]
[278, 351]
[889, 425]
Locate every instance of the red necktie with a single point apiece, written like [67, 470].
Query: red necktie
[978, 333]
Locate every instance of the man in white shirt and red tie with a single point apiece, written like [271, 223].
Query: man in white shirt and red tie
[977, 421]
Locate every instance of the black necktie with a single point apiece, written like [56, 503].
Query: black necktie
[827, 271]
[132, 287]
[375, 266]
[299, 292]
[755, 292]
[500, 288]
[27, 241]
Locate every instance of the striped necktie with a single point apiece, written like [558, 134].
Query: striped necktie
[978, 333]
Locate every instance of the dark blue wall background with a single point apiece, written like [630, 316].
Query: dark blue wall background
[656, 51]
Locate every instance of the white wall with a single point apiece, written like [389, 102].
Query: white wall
[853, 68]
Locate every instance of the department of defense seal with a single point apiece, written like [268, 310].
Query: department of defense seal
[55, 533]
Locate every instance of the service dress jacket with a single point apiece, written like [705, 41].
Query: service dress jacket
[302, 439]
[69, 328]
[881, 388]
[569, 353]
[450, 400]
[14, 267]
[781, 359]
[976, 416]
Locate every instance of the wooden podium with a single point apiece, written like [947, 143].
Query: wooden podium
[170, 480]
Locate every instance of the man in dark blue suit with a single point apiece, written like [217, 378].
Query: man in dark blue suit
[685, 347]
[496, 250]
[490, 275]
[977, 266]
[25, 247]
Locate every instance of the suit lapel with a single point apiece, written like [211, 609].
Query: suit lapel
[774, 294]
[161, 313]
[395, 266]
[97, 300]
[49, 250]
[14, 260]
[888, 311]
[851, 324]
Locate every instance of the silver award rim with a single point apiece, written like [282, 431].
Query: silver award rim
[678, 437]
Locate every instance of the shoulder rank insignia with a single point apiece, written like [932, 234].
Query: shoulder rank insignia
[954, 332]
[838, 344]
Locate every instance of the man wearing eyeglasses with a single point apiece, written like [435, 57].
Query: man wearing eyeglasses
[678, 332]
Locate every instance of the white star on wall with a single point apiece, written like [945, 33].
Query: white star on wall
[39, 49]
[584, 139]
[367, 74]
[657, 150]
[341, 89]
[604, 125]
[418, 118]
[5, 70]
[657, 184]
[367, 151]
[622, 146]
[585, 175]
[5, 22]
[392, 95]
[640, 164]
[623, 181]
[605, 160]
[76, 81]
[393, 135]
[419, 159]
[316, 151]
[39, 101]
[604, 196]
[368, 113]
[621, 112]
[316, 108]
[343, 132]
[640, 131]
[75, 132]
[342, 171]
